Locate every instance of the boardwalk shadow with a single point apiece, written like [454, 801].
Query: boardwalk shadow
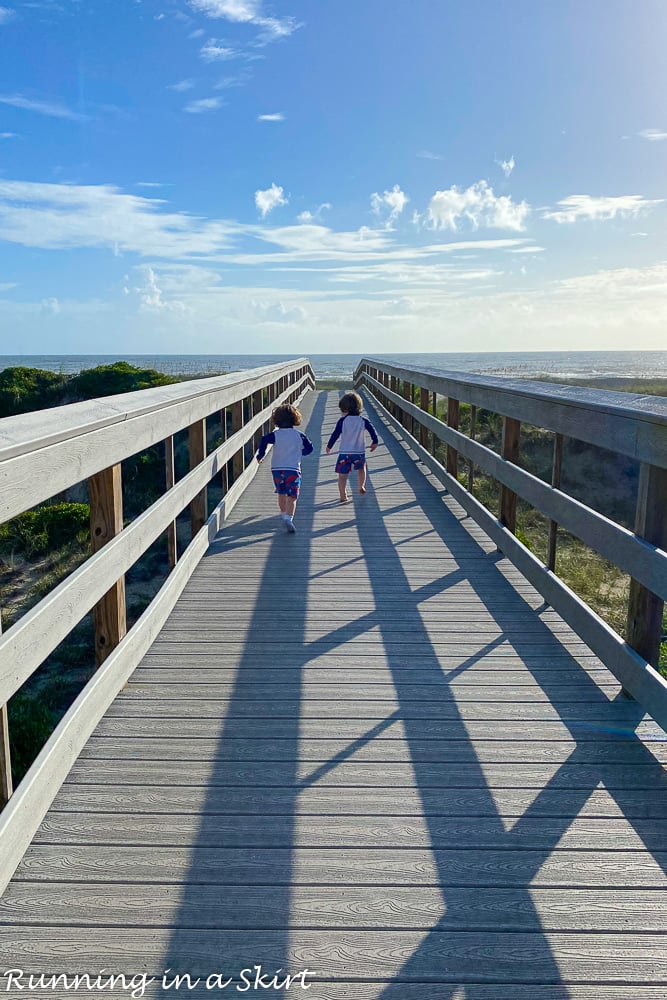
[468, 961]
[233, 885]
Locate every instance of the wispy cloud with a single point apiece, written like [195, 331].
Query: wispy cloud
[42, 107]
[238, 80]
[477, 205]
[247, 12]
[389, 205]
[653, 134]
[277, 117]
[215, 50]
[269, 199]
[9, 135]
[310, 218]
[584, 206]
[68, 216]
[204, 104]
[6, 14]
[507, 166]
[426, 154]
[181, 86]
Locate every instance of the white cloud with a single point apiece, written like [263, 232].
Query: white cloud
[426, 154]
[204, 104]
[247, 12]
[277, 117]
[479, 206]
[618, 283]
[389, 204]
[181, 86]
[65, 216]
[42, 107]
[267, 200]
[50, 307]
[308, 218]
[9, 135]
[6, 14]
[507, 166]
[278, 312]
[238, 80]
[654, 134]
[530, 249]
[6, 286]
[150, 294]
[584, 206]
[216, 51]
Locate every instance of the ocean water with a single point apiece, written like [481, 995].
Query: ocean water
[526, 364]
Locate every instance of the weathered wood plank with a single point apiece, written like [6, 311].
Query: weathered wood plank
[509, 803]
[464, 775]
[358, 908]
[395, 833]
[468, 956]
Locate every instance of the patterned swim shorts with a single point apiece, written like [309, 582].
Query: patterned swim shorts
[347, 462]
[286, 481]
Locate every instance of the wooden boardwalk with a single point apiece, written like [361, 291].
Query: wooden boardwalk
[367, 750]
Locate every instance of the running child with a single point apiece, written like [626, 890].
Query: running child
[352, 449]
[289, 445]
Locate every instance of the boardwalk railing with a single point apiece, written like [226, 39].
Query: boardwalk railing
[48, 451]
[624, 423]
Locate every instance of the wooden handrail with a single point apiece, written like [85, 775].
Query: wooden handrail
[149, 416]
[637, 428]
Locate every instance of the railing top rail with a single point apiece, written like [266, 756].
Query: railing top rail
[27, 432]
[627, 404]
[628, 423]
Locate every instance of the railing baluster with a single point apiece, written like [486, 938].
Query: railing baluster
[510, 452]
[238, 462]
[473, 431]
[6, 787]
[555, 482]
[197, 454]
[170, 480]
[644, 628]
[105, 491]
[423, 431]
[453, 422]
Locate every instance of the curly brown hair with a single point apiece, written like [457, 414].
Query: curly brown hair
[286, 415]
[351, 404]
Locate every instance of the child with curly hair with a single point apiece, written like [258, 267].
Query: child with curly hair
[352, 449]
[289, 445]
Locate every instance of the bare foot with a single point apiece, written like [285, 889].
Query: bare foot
[362, 489]
[345, 499]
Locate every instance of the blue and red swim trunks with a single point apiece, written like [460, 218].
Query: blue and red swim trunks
[346, 462]
[286, 481]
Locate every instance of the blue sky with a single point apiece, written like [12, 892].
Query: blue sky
[241, 176]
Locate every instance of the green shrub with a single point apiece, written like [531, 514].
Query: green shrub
[36, 532]
[107, 380]
[26, 389]
[31, 722]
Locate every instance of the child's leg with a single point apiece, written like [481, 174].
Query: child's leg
[282, 503]
[362, 478]
[290, 505]
[342, 485]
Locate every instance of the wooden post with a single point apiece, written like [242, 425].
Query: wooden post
[105, 491]
[170, 479]
[555, 482]
[257, 407]
[393, 385]
[223, 429]
[405, 393]
[453, 422]
[238, 461]
[473, 431]
[644, 628]
[423, 431]
[510, 452]
[197, 453]
[6, 787]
